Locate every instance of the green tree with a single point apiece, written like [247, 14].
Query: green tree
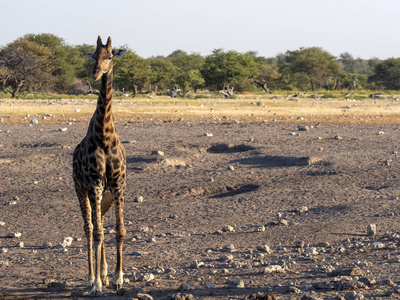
[314, 63]
[163, 73]
[188, 68]
[387, 74]
[221, 69]
[266, 72]
[25, 64]
[132, 71]
[66, 61]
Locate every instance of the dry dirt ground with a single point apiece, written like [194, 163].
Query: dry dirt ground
[210, 206]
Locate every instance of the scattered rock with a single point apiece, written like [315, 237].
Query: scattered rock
[377, 245]
[353, 295]
[157, 152]
[208, 134]
[231, 168]
[47, 245]
[225, 257]
[228, 228]
[197, 264]
[138, 199]
[351, 271]
[20, 245]
[145, 277]
[236, 284]
[34, 122]
[264, 248]
[371, 230]
[209, 285]
[303, 128]
[141, 296]
[14, 234]
[180, 296]
[67, 241]
[62, 129]
[273, 269]
[338, 137]
[184, 287]
[301, 209]
[2, 223]
[3, 250]
[311, 251]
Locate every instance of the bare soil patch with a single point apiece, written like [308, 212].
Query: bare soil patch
[210, 205]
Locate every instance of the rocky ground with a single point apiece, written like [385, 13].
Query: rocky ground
[214, 210]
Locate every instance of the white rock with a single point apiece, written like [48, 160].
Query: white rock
[225, 257]
[303, 128]
[259, 228]
[20, 245]
[236, 284]
[301, 209]
[145, 277]
[138, 199]
[2, 223]
[34, 121]
[67, 241]
[273, 269]
[208, 134]
[62, 129]
[3, 250]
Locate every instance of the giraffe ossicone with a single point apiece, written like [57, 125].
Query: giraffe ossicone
[99, 174]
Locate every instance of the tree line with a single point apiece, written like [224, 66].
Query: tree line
[45, 63]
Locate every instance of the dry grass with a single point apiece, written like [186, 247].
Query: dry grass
[243, 110]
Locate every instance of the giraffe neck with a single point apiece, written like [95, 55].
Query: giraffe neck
[102, 126]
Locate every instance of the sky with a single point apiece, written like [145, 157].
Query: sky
[364, 28]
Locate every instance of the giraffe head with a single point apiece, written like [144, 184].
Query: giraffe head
[103, 58]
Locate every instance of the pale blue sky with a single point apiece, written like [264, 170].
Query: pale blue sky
[364, 28]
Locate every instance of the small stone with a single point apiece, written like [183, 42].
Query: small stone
[264, 248]
[236, 284]
[371, 230]
[62, 129]
[209, 285]
[14, 234]
[225, 257]
[208, 134]
[151, 239]
[2, 223]
[284, 222]
[145, 277]
[197, 264]
[141, 296]
[3, 250]
[34, 122]
[47, 245]
[294, 290]
[77, 110]
[311, 251]
[338, 137]
[301, 209]
[139, 253]
[228, 229]
[273, 269]
[13, 202]
[231, 168]
[67, 241]
[377, 245]
[20, 245]
[381, 133]
[259, 228]
[138, 199]
[184, 287]
[303, 128]
[157, 152]
[353, 295]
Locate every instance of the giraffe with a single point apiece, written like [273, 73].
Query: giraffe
[99, 174]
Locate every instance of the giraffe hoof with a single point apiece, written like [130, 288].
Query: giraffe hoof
[96, 293]
[104, 280]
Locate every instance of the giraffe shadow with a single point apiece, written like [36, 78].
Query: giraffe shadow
[271, 161]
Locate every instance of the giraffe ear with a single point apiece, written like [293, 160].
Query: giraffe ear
[119, 53]
[90, 55]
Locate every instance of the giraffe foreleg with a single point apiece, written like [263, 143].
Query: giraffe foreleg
[95, 197]
[118, 279]
[106, 203]
[88, 228]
